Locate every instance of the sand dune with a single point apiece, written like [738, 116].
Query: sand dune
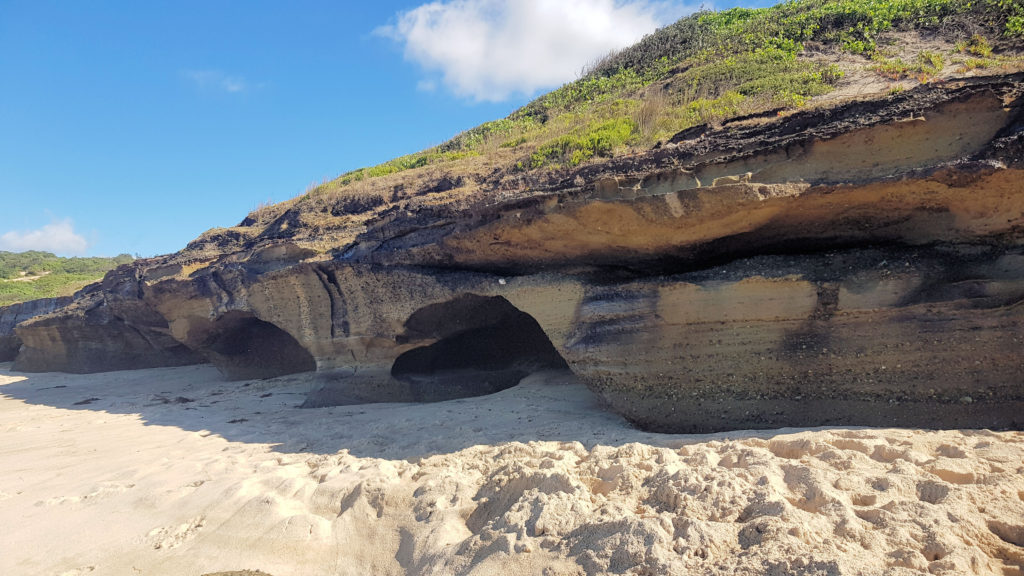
[172, 471]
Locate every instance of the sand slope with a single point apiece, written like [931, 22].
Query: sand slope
[172, 471]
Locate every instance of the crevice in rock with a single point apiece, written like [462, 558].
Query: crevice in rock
[477, 345]
[339, 307]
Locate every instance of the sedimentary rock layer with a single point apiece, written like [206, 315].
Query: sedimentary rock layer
[861, 264]
[912, 337]
[107, 327]
[11, 316]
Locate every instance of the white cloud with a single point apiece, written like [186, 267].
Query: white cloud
[492, 49]
[216, 80]
[58, 237]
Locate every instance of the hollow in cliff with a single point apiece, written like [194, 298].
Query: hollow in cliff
[481, 345]
[244, 347]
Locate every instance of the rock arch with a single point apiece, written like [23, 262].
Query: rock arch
[244, 347]
[472, 345]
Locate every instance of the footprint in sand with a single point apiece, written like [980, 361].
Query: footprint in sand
[101, 491]
[185, 489]
[79, 571]
[954, 471]
[1009, 533]
[932, 492]
[950, 451]
[173, 536]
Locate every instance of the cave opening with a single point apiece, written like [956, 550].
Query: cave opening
[478, 345]
[244, 347]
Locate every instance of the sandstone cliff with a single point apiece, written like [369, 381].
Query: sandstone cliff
[851, 263]
[11, 316]
[107, 326]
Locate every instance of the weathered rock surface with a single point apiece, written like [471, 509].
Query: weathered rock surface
[107, 327]
[860, 264]
[11, 316]
[919, 337]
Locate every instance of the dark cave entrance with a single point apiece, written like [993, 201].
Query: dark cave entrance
[481, 345]
[244, 347]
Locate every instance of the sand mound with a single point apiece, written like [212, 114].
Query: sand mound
[172, 471]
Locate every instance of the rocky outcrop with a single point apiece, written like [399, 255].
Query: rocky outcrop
[11, 316]
[922, 337]
[107, 327]
[860, 264]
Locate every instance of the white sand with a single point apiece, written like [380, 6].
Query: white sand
[534, 480]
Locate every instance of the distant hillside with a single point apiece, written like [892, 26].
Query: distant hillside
[31, 275]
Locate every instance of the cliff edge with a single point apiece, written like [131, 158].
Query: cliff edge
[854, 260]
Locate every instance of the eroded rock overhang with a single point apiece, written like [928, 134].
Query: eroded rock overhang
[912, 169]
[862, 264]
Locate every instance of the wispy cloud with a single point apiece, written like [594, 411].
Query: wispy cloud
[492, 49]
[58, 236]
[216, 80]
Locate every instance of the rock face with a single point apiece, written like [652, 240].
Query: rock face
[919, 337]
[11, 316]
[860, 264]
[107, 327]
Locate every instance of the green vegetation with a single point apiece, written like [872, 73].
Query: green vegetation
[597, 139]
[402, 163]
[975, 64]
[712, 66]
[978, 45]
[31, 275]
[931, 62]
[769, 72]
[925, 67]
[894, 69]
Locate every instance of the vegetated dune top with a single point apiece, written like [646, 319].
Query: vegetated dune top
[721, 70]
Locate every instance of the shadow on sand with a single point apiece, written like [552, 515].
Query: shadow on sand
[544, 406]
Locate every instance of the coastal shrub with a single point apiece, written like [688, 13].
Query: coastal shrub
[597, 139]
[978, 45]
[576, 95]
[926, 66]
[513, 142]
[974, 64]
[853, 24]
[402, 163]
[894, 69]
[472, 139]
[931, 62]
[773, 74]
[704, 111]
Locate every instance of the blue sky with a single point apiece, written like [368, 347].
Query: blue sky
[134, 126]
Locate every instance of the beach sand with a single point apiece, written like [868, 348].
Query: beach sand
[176, 472]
